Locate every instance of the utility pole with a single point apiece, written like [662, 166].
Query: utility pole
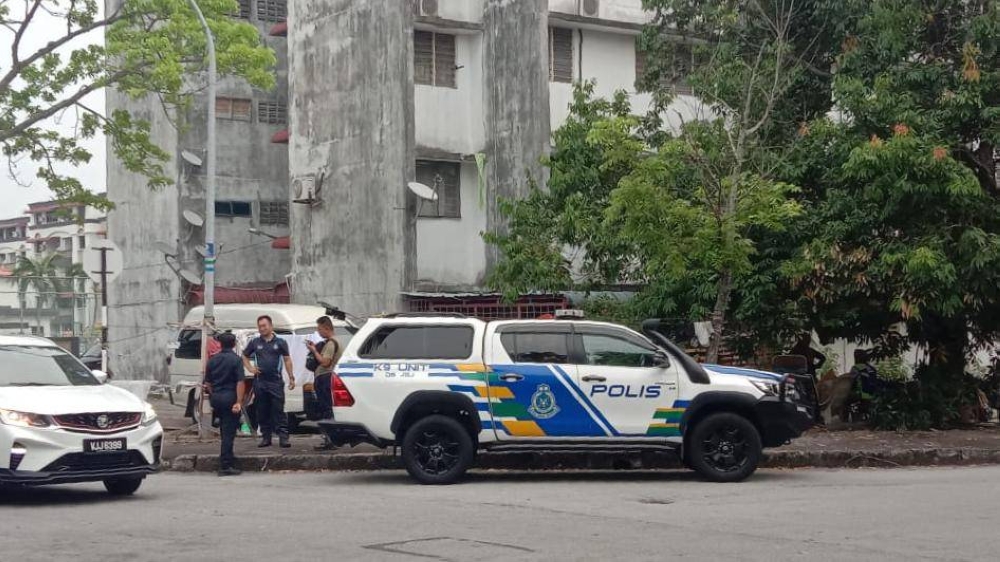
[103, 272]
[209, 282]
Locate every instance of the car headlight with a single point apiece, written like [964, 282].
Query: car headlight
[23, 419]
[148, 415]
[770, 388]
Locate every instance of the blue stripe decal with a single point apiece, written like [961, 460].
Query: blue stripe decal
[355, 375]
[580, 395]
[463, 388]
[483, 406]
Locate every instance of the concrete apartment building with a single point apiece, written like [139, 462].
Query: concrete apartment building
[371, 95]
[48, 227]
[384, 91]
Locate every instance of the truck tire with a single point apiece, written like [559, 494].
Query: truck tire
[122, 486]
[437, 450]
[724, 447]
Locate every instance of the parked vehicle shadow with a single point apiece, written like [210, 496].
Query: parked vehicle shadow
[46, 496]
[512, 476]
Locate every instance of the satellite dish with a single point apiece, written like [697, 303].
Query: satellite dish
[191, 158]
[165, 249]
[200, 250]
[193, 218]
[422, 191]
[190, 276]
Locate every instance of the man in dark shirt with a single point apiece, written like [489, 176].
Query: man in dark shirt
[265, 356]
[224, 384]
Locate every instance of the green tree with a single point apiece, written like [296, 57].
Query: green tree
[150, 48]
[36, 275]
[905, 243]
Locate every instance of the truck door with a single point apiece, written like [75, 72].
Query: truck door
[629, 381]
[531, 390]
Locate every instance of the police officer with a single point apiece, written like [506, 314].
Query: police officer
[224, 384]
[269, 354]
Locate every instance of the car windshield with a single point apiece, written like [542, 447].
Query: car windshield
[22, 365]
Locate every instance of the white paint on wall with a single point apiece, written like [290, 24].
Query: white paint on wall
[451, 119]
[451, 252]
[629, 11]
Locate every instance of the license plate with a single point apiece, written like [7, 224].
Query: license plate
[104, 445]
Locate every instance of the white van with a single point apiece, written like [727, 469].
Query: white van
[292, 322]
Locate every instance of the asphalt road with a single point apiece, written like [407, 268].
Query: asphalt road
[851, 515]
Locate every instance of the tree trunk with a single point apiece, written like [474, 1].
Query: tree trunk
[723, 291]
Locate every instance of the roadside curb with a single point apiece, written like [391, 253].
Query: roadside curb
[883, 458]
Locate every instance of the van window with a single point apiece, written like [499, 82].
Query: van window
[536, 347]
[419, 342]
[189, 345]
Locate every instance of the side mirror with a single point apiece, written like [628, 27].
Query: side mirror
[101, 376]
[661, 360]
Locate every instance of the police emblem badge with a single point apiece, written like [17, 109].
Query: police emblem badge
[543, 403]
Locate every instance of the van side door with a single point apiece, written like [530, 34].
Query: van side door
[531, 390]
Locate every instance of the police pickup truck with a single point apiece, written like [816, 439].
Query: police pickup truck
[442, 388]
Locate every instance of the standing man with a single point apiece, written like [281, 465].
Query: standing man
[265, 356]
[326, 356]
[224, 385]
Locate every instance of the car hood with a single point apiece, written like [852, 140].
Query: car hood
[740, 372]
[56, 400]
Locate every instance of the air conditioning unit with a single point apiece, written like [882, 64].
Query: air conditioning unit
[590, 8]
[304, 188]
[426, 8]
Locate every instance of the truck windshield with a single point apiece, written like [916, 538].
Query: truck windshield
[42, 366]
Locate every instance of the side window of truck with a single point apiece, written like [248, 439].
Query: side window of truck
[537, 347]
[419, 342]
[617, 351]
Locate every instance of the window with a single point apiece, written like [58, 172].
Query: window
[272, 10]
[232, 109]
[83, 242]
[272, 112]
[188, 345]
[434, 59]
[536, 347]
[444, 179]
[419, 342]
[243, 10]
[274, 213]
[676, 70]
[560, 54]
[618, 351]
[233, 209]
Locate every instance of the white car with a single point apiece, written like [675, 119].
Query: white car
[60, 424]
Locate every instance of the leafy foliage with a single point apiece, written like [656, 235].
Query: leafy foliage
[150, 48]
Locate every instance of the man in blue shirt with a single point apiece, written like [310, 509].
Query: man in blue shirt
[224, 384]
[265, 356]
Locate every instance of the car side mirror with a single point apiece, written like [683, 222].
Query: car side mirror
[661, 360]
[101, 376]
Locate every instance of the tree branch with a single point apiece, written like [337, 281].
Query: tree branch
[15, 47]
[50, 47]
[20, 128]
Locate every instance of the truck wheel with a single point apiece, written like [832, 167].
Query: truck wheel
[437, 450]
[724, 447]
[122, 486]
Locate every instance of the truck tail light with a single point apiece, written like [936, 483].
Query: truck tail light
[341, 396]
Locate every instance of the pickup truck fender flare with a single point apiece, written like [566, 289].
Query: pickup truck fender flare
[426, 402]
[714, 401]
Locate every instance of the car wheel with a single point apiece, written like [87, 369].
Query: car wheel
[437, 450]
[122, 486]
[724, 447]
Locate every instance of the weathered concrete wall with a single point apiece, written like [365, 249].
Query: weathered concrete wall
[145, 298]
[451, 255]
[352, 125]
[516, 93]
[147, 301]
